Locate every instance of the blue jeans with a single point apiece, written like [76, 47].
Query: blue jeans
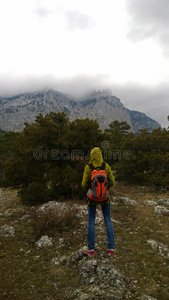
[91, 226]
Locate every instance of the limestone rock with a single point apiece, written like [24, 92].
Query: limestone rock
[98, 277]
[44, 241]
[7, 231]
[161, 210]
[164, 201]
[101, 106]
[150, 203]
[61, 242]
[160, 247]
[126, 201]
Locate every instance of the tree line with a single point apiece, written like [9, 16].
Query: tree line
[46, 160]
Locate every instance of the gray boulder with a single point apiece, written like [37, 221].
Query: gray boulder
[150, 203]
[7, 231]
[164, 201]
[44, 241]
[98, 277]
[161, 210]
[126, 201]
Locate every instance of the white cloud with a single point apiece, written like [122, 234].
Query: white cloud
[77, 20]
[149, 19]
[76, 46]
[152, 100]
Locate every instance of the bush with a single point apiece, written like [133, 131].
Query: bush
[51, 150]
[52, 221]
[34, 193]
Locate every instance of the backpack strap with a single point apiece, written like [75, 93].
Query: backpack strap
[100, 168]
[91, 167]
[103, 166]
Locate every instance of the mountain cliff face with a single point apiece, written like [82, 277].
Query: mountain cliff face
[101, 106]
[140, 120]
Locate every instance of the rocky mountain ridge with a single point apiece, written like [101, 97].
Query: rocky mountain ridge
[100, 105]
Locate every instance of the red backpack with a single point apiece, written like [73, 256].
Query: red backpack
[99, 184]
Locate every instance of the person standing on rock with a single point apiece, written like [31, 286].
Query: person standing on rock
[98, 176]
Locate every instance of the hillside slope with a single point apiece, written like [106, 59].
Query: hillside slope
[55, 268]
[100, 105]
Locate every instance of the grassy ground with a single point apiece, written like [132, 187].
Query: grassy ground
[149, 270]
[27, 272]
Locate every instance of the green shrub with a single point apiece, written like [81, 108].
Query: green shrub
[34, 193]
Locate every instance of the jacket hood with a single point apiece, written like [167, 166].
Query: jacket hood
[96, 157]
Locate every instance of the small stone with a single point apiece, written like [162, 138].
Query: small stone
[164, 201]
[55, 261]
[63, 259]
[7, 231]
[161, 210]
[44, 241]
[61, 242]
[150, 203]
[91, 280]
[84, 297]
[126, 201]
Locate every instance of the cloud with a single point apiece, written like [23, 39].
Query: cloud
[42, 12]
[78, 86]
[148, 19]
[77, 20]
[151, 100]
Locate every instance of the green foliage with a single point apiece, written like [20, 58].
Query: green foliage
[34, 193]
[117, 131]
[6, 143]
[148, 162]
[2, 132]
[49, 157]
[83, 134]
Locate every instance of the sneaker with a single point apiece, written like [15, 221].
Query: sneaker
[88, 252]
[111, 252]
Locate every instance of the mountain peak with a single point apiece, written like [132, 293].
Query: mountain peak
[100, 105]
[104, 93]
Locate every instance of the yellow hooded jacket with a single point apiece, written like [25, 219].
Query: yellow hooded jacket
[96, 159]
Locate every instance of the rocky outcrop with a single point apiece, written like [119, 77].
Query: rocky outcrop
[161, 210]
[7, 231]
[164, 201]
[100, 106]
[140, 120]
[44, 241]
[98, 278]
[126, 200]
[150, 203]
[94, 278]
[105, 108]
[160, 247]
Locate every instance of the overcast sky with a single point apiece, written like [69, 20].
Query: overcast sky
[75, 46]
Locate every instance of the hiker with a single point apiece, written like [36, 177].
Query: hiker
[98, 194]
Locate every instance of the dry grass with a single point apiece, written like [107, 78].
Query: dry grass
[53, 221]
[26, 272]
[137, 224]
